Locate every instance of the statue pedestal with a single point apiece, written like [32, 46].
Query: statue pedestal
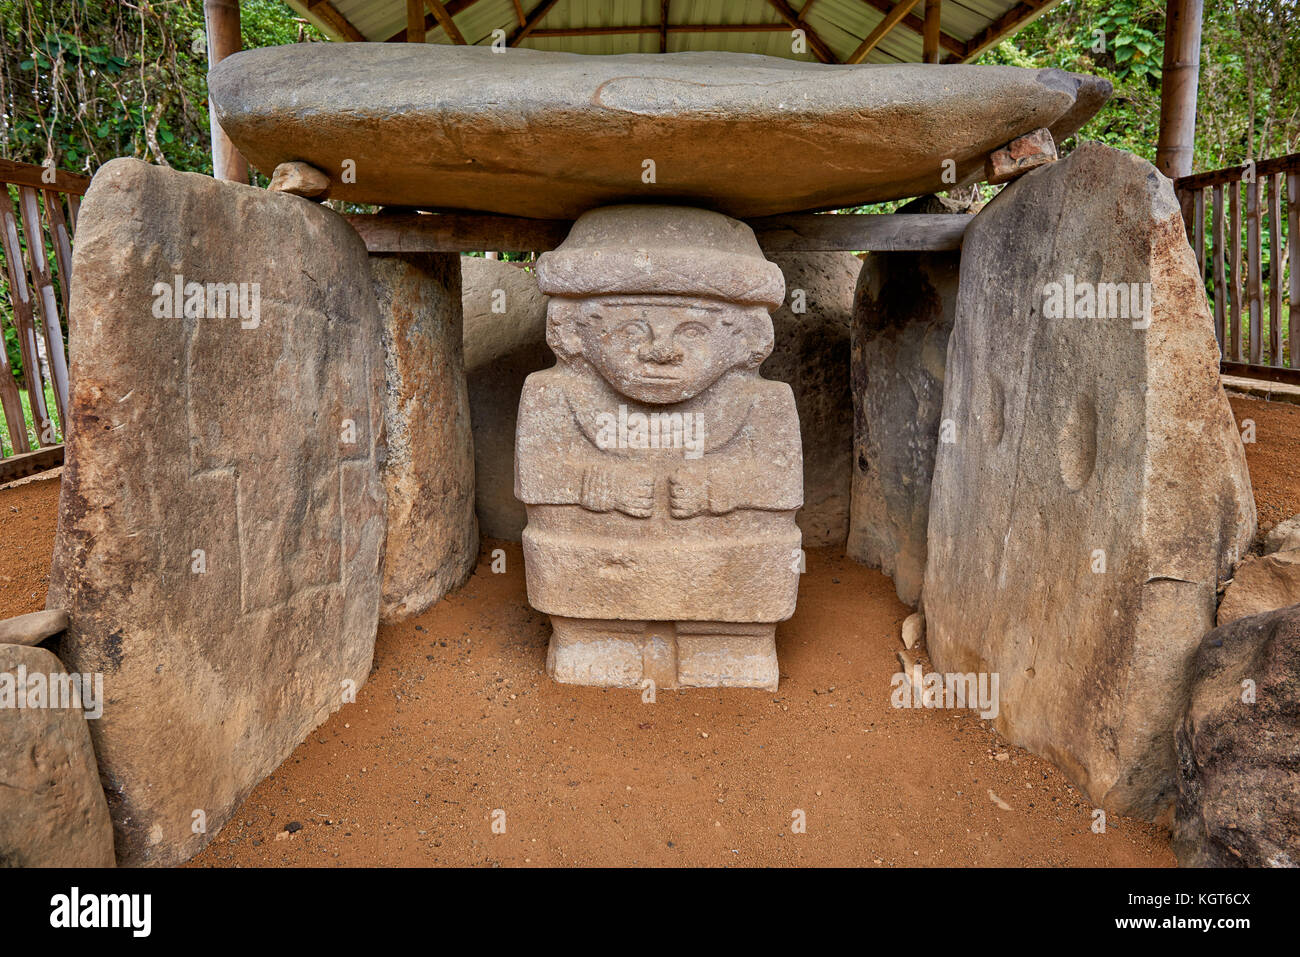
[688, 654]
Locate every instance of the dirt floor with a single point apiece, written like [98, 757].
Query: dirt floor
[458, 728]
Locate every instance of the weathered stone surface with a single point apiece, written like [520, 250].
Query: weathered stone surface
[471, 128]
[811, 353]
[913, 630]
[1095, 490]
[1020, 156]
[902, 317]
[1283, 536]
[1261, 583]
[505, 342]
[432, 540]
[661, 473]
[300, 179]
[52, 809]
[1238, 782]
[34, 628]
[221, 522]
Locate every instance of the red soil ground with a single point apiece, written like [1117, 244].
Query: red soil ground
[458, 721]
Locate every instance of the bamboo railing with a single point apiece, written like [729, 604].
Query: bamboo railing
[1256, 318]
[38, 214]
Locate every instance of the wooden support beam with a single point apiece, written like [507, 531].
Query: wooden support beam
[443, 16]
[900, 9]
[519, 12]
[955, 47]
[819, 46]
[534, 18]
[1178, 83]
[1018, 15]
[663, 26]
[27, 174]
[337, 22]
[31, 463]
[453, 7]
[221, 20]
[656, 28]
[414, 21]
[798, 232]
[930, 32]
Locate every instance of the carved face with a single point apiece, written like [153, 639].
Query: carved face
[664, 349]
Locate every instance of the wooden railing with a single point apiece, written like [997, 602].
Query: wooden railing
[1256, 315]
[36, 230]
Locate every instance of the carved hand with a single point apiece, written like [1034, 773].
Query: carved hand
[686, 498]
[602, 492]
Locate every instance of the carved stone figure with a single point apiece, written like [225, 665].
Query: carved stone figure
[661, 474]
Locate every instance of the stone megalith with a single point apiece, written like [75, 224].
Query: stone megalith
[1090, 489]
[52, 808]
[811, 353]
[494, 130]
[1238, 783]
[505, 342]
[903, 312]
[432, 541]
[661, 473]
[221, 521]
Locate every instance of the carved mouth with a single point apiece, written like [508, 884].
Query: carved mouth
[651, 377]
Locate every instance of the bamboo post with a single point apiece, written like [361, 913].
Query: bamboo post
[221, 18]
[1234, 253]
[1178, 84]
[62, 241]
[1293, 248]
[49, 303]
[1198, 231]
[414, 21]
[1275, 269]
[21, 297]
[930, 32]
[1252, 272]
[1220, 279]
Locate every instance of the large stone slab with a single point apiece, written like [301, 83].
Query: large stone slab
[221, 521]
[432, 540]
[52, 809]
[505, 342]
[1238, 783]
[810, 352]
[903, 313]
[550, 135]
[1094, 489]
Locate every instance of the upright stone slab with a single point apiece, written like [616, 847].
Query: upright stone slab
[221, 522]
[505, 342]
[52, 809]
[429, 471]
[1094, 492]
[811, 353]
[1238, 741]
[903, 312]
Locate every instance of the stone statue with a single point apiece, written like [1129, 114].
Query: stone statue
[660, 473]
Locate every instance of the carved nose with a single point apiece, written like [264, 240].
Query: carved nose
[660, 350]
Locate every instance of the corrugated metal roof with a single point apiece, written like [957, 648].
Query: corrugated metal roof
[840, 24]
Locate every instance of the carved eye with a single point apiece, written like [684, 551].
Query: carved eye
[692, 330]
[636, 328]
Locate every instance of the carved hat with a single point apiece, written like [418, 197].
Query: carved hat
[661, 250]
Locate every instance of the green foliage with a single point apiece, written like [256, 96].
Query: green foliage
[83, 81]
[1249, 97]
